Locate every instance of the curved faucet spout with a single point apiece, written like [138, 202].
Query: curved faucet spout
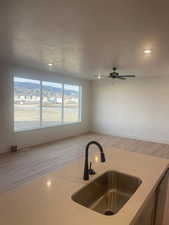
[102, 158]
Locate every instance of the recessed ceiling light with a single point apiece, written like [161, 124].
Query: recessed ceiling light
[50, 64]
[147, 51]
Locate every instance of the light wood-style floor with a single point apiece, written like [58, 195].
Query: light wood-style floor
[22, 167]
[28, 164]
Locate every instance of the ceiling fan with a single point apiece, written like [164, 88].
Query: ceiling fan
[115, 75]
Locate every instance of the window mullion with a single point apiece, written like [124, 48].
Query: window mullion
[80, 103]
[41, 102]
[62, 103]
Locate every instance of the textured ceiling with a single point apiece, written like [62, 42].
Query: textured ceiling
[84, 37]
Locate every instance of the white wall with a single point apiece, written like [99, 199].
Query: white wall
[137, 108]
[28, 138]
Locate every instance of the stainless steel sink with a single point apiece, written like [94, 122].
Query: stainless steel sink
[108, 193]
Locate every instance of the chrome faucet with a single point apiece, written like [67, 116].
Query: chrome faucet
[89, 171]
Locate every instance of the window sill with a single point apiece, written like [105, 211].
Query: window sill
[44, 127]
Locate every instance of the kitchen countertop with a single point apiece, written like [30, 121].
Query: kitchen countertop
[47, 200]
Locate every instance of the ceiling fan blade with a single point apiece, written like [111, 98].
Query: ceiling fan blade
[127, 76]
[122, 78]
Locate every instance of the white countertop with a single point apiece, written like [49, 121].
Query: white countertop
[47, 200]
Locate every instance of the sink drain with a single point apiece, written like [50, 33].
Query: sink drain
[108, 213]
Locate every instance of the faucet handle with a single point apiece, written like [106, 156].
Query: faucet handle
[91, 171]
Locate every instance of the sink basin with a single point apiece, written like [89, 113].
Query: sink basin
[108, 193]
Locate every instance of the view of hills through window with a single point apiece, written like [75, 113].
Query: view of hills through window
[42, 104]
[52, 103]
[26, 104]
[71, 101]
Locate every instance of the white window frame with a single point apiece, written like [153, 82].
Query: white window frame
[62, 123]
